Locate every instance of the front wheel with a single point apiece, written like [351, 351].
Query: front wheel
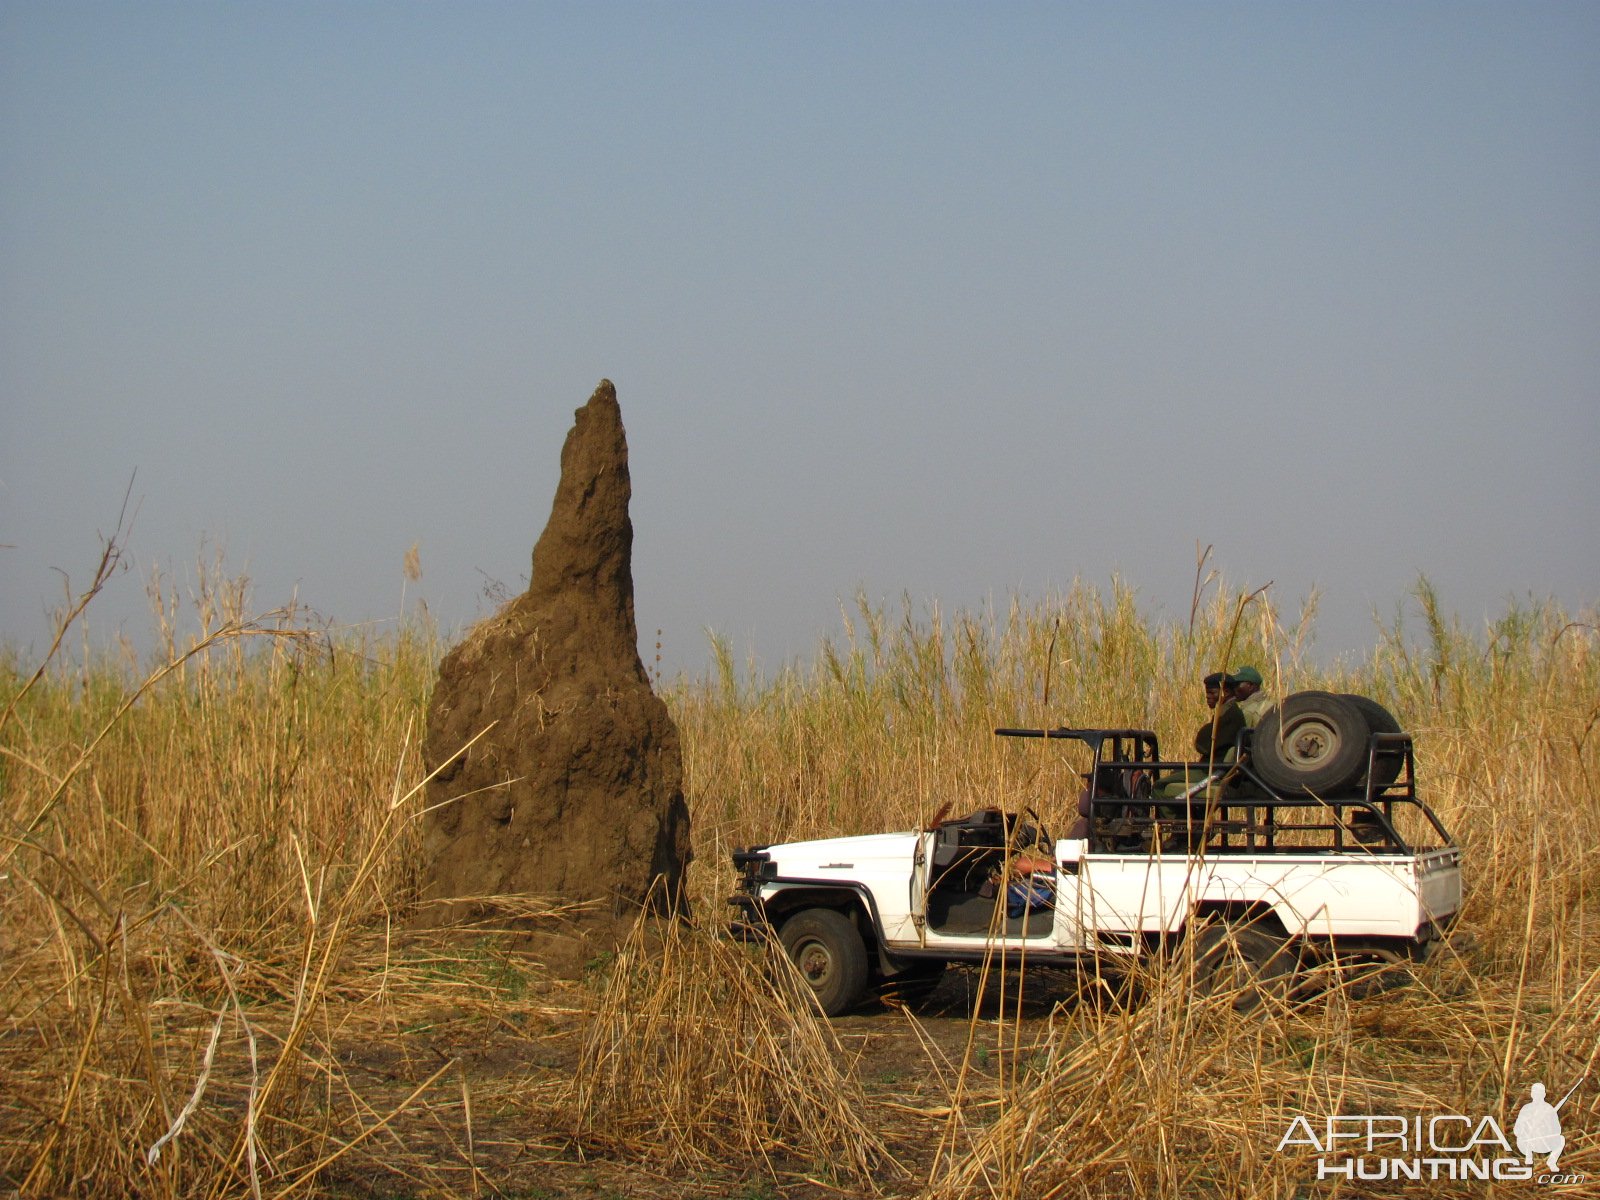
[828, 952]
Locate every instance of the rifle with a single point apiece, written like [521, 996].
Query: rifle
[1570, 1090]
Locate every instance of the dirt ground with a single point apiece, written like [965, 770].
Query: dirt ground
[512, 1063]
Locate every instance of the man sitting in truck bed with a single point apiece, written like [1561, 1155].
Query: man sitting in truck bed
[1221, 730]
[1215, 739]
[1253, 702]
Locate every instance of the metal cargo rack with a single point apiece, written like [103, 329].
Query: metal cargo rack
[1135, 801]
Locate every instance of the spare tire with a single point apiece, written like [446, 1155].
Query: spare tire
[1311, 742]
[1386, 767]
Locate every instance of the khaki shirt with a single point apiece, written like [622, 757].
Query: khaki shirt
[1255, 708]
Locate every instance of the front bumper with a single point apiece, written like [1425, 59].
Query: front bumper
[750, 921]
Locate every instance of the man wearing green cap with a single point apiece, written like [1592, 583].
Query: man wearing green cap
[1247, 690]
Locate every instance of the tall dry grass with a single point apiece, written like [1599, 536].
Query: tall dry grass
[695, 1056]
[209, 862]
[189, 845]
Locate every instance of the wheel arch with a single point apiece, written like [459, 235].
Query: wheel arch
[1253, 914]
[851, 900]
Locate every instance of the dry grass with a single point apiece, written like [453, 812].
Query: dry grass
[211, 985]
[700, 1053]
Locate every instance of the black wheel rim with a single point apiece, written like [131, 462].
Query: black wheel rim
[815, 961]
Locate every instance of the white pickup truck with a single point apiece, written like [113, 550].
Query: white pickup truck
[1267, 877]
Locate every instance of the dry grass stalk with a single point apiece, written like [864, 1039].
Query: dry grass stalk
[702, 1050]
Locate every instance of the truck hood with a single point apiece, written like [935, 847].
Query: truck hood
[845, 850]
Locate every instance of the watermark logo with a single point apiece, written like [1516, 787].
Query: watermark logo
[1538, 1127]
[1373, 1147]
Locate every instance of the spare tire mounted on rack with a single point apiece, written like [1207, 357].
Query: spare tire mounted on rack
[1317, 742]
[1386, 767]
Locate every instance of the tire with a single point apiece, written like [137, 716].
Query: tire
[912, 986]
[1311, 742]
[1357, 973]
[1368, 973]
[1386, 768]
[827, 950]
[1244, 962]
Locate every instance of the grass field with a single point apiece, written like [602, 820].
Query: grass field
[214, 983]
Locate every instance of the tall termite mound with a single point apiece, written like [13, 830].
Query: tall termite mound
[576, 788]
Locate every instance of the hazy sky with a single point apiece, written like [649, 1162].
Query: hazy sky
[954, 300]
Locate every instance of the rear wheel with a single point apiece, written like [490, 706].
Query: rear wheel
[1367, 973]
[1311, 742]
[827, 950]
[1243, 963]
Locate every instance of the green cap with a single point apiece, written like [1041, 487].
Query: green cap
[1247, 675]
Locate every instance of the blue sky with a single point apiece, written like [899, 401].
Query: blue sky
[950, 300]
